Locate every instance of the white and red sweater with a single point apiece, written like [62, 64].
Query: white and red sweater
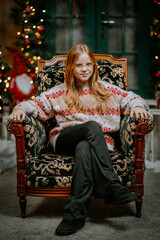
[51, 103]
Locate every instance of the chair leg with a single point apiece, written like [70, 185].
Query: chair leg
[138, 207]
[22, 203]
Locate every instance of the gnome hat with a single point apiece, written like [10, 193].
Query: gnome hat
[19, 66]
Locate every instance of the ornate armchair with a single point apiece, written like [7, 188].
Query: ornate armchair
[40, 172]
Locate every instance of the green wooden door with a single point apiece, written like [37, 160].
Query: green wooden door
[117, 27]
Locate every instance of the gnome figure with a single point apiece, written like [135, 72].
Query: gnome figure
[20, 85]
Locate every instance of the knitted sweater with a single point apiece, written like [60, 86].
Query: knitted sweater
[51, 103]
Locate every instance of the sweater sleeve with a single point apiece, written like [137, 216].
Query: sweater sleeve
[40, 107]
[129, 100]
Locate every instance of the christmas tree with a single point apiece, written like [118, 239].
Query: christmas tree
[155, 47]
[4, 81]
[33, 20]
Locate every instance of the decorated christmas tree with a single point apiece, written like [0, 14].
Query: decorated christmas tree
[155, 47]
[4, 81]
[33, 20]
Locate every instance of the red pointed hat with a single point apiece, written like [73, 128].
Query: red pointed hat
[19, 66]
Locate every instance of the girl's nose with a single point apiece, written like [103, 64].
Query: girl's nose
[84, 68]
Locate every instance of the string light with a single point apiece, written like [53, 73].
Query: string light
[18, 33]
[156, 57]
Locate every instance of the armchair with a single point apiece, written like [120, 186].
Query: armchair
[41, 172]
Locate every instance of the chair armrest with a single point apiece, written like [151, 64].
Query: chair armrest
[130, 130]
[31, 139]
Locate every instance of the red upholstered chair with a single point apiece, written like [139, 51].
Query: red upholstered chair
[40, 172]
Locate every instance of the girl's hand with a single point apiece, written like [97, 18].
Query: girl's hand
[139, 111]
[17, 115]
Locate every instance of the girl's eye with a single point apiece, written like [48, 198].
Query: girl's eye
[89, 64]
[78, 65]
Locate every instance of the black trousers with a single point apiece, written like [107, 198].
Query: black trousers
[93, 172]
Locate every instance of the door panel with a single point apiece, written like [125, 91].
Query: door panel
[117, 27]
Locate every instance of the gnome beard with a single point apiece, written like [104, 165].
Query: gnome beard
[21, 87]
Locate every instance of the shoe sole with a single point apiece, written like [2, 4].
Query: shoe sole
[69, 232]
[128, 200]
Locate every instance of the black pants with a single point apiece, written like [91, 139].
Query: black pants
[93, 172]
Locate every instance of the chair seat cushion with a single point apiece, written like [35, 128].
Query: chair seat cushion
[56, 170]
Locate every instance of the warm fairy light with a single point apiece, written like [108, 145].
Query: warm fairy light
[2, 67]
[156, 57]
[33, 9]
[44, 11]
[41, 20]
[36, 68]
[31, 82]
[32, 62]
[26, 54]
[22, 49]
[38, 57]
[18, 33]
[7, 85]
[25, 21]
[34, 26]
[35, 58]
[0, 80]
[0, 97]
[0, 52]
[26, 36]
[28, 46]
[9, 78]
[28, 70]
[33, 97]
[5, 89]
[5, 81]
[40, 42]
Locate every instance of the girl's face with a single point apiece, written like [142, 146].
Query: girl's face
[83, 69]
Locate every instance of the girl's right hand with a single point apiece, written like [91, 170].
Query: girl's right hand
[17, 115]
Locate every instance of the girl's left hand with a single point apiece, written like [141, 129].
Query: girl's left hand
[139, 111]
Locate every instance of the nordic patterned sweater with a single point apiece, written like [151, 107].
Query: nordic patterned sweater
[51, 103]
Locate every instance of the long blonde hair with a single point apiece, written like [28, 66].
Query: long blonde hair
[99, 92]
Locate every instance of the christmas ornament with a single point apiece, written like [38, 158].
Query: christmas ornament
[40, 29]
[26, 42]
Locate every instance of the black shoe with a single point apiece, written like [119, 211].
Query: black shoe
[122, 197]
[68, 227]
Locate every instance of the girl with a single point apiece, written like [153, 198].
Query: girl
[83, 107]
